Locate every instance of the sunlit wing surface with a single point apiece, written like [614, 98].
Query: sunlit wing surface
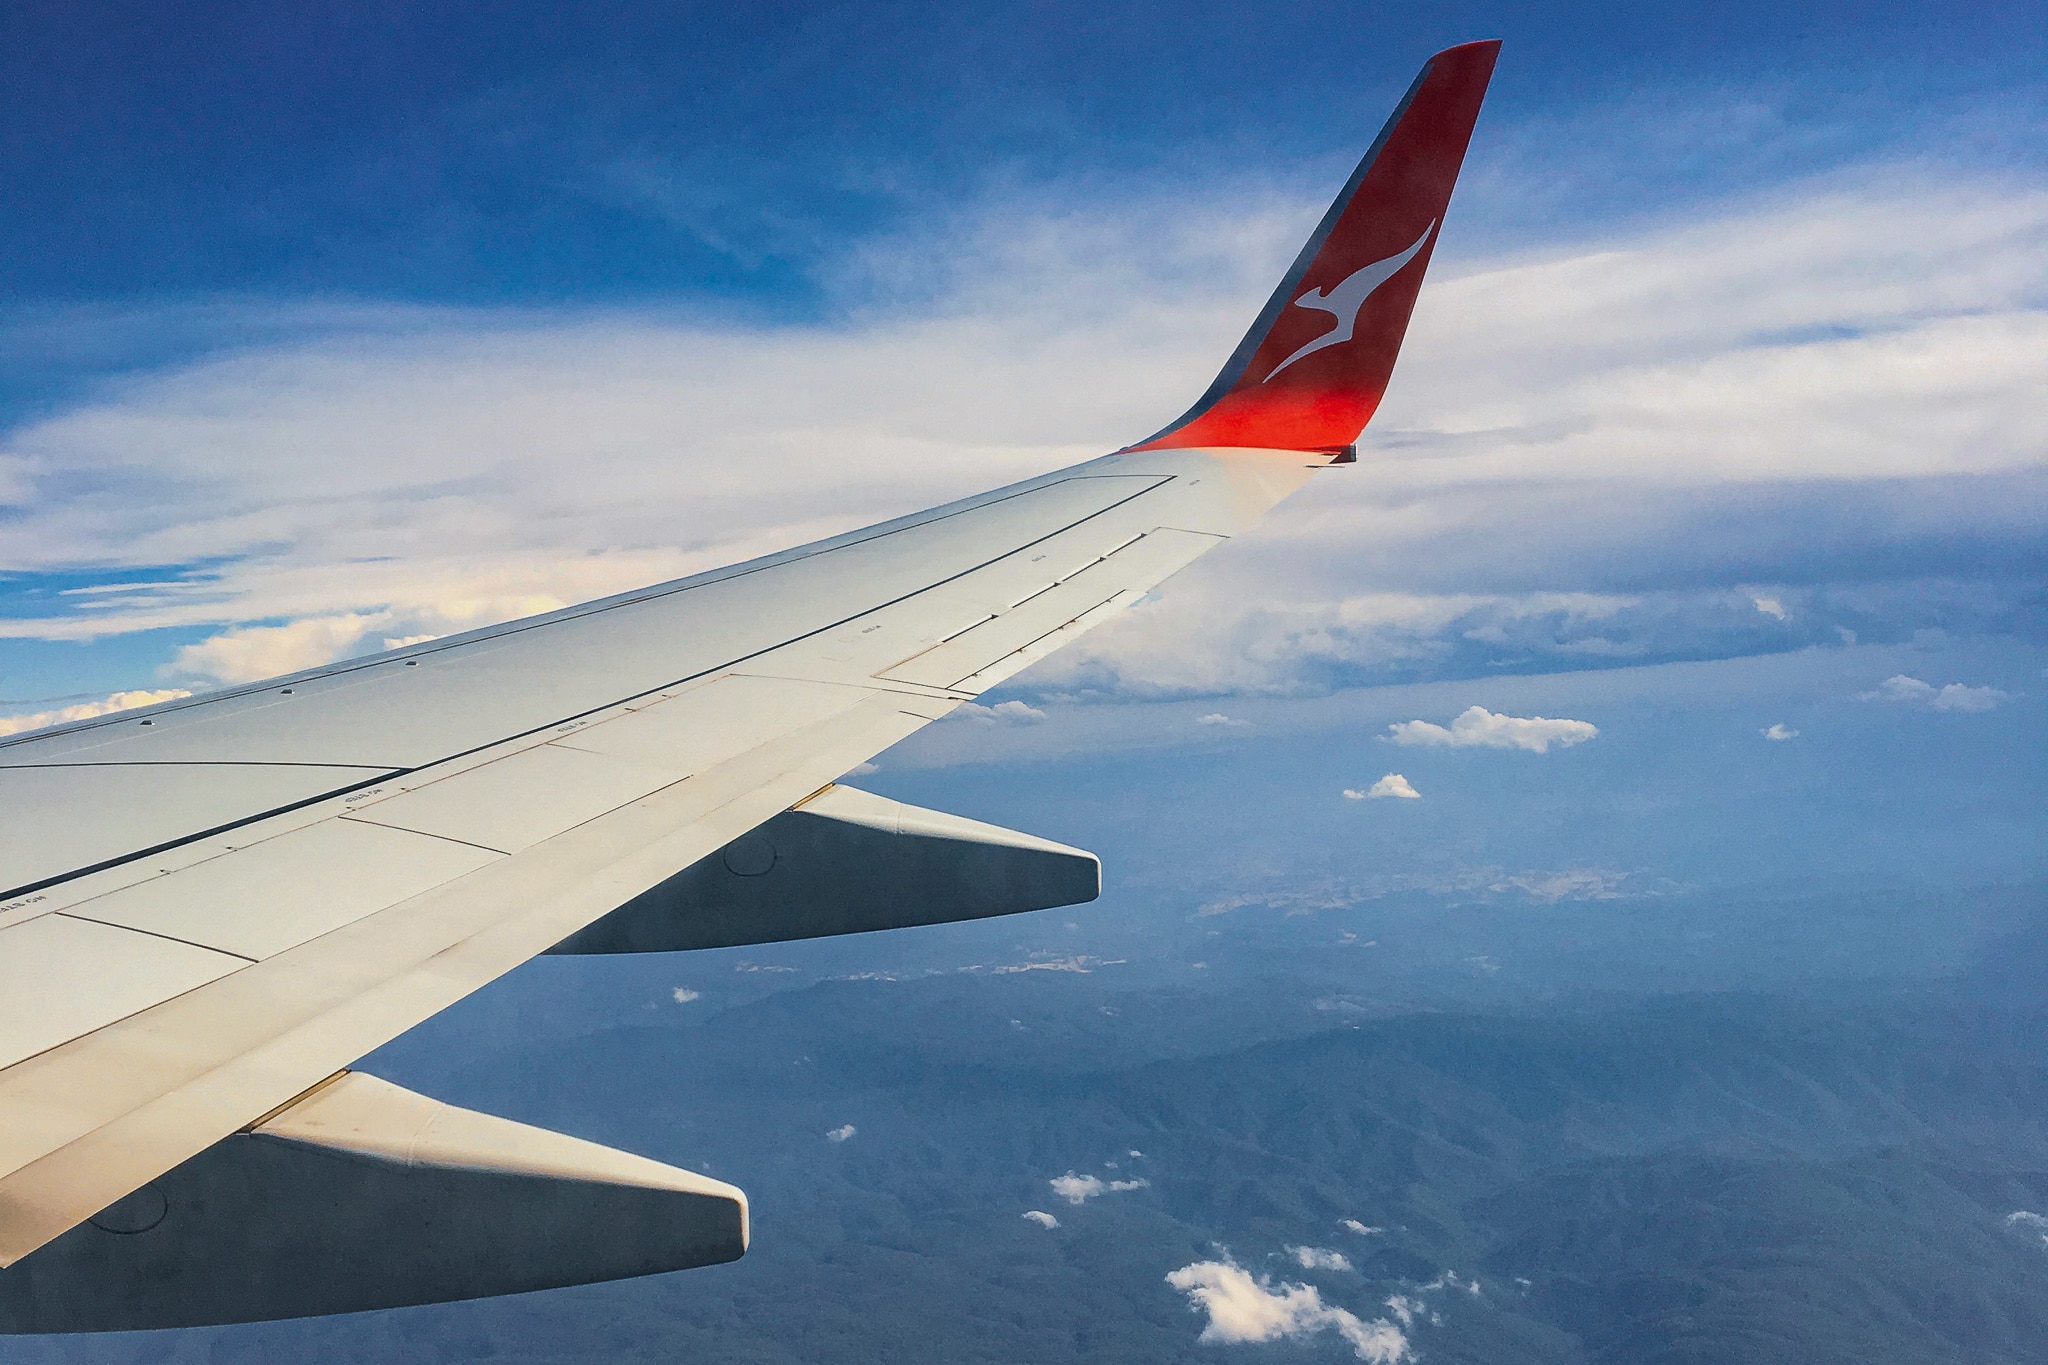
[214, 907]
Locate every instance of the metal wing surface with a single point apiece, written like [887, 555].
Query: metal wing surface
[223, 902]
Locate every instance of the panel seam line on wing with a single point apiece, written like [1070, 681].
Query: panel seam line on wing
[73, 914]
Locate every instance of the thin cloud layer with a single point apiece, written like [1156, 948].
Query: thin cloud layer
[1477, 727]
[1244, 1308]
[1657, 404]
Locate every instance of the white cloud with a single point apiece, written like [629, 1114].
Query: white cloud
[1079, 1189]
[1042, 1218]
[1771, 607]
[1002, 713]
[1952, 697]
[1361, 1229]
[1901, 688]
[841, 1133]
[862, 769]
[1218, 718]
[1956, 697]
[1393, 784]
[1477, 727]
[1779, 731]
[1242, 1308]
[252, 653]
[2032, 1222]
[1319, 1258]
[256, 652]
[119, 701]
[683, 995]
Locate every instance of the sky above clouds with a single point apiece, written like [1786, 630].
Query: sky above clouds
[332, 331]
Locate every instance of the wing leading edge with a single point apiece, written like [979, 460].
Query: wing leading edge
[217, 905]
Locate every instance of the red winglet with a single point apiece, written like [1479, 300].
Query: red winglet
[1313, 368]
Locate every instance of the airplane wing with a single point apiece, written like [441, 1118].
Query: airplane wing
[213, 907]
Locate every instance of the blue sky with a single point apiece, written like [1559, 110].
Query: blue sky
[729, 156]
[346, 325]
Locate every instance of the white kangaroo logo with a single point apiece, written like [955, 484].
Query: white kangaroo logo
[1346, 300]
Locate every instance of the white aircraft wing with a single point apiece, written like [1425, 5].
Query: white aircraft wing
[211, 908]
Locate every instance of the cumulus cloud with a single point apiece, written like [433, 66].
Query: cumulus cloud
[1951, 697]
[1042, 1218]
[1477, 727]
[1353, 1225]
[1244, 1308]
[1319, 1258]
[119, 701]
[1393, 784]
[1779, 731]
[252, 653]
[1771, 607]
[1079, 1189]
[1957, 697]
[1218, 718]
[683, 995]
[841, 1133]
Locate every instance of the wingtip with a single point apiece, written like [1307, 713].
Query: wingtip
[1308, 376]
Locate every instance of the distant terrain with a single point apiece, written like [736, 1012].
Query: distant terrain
[1834, 1149]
